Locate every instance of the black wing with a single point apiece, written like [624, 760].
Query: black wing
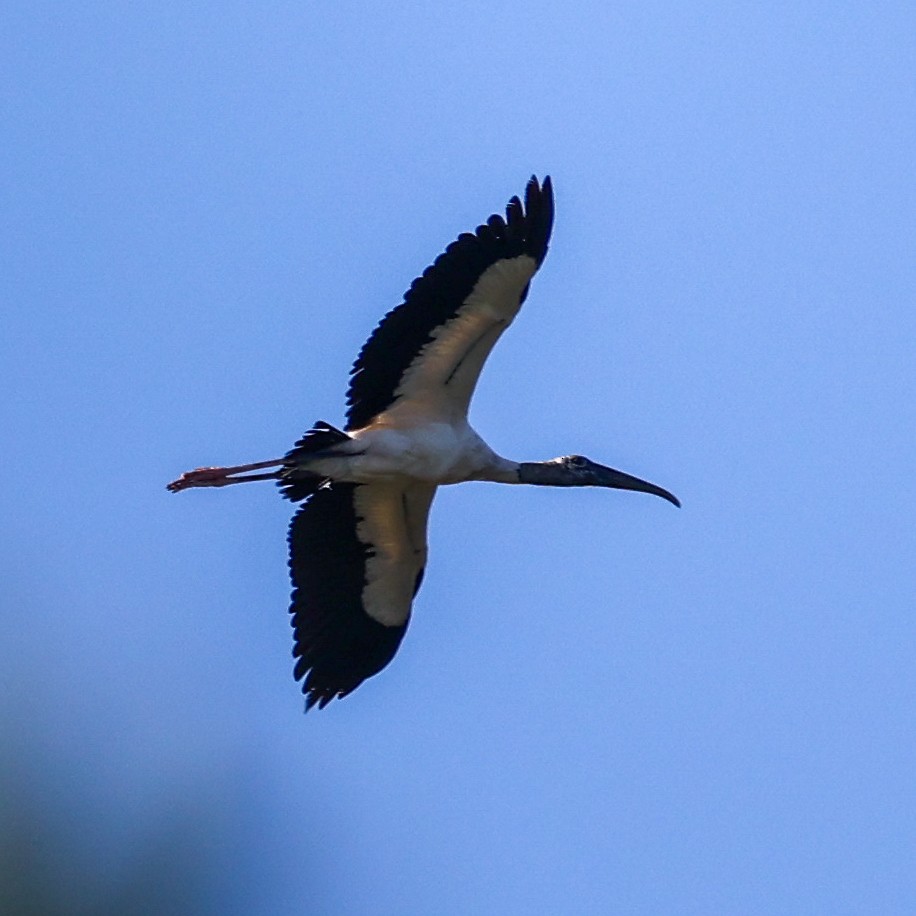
[357, 554]
[387, 367]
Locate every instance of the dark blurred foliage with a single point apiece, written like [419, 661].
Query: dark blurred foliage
[50, 866]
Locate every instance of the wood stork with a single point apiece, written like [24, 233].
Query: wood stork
[357, 547]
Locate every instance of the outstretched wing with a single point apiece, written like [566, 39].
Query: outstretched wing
[428, 352]
[357, 555]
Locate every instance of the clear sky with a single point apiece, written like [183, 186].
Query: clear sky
[603, 704]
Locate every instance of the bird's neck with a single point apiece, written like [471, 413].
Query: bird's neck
[543, 474]
[498, 470]
[539, 473]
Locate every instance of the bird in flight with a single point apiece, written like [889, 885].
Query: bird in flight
[357, 546]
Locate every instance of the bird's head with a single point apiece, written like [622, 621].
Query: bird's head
[579, 471]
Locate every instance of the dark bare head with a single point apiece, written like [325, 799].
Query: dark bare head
[579, 471]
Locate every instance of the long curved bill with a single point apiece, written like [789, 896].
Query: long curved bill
[608, 477]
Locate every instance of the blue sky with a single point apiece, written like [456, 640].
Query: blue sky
[603, 705]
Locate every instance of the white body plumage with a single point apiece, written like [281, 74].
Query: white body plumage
[434, 452]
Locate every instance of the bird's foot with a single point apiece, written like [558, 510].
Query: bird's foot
[222, 477]
[201, 477]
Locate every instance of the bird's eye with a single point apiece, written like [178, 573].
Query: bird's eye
[577, 461]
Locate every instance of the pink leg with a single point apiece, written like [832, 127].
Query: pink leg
[222, 477]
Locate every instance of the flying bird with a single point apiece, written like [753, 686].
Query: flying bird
[357, 546]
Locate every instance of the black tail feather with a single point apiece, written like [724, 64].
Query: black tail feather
[321, 436]
[297, 488]
[295, 483]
